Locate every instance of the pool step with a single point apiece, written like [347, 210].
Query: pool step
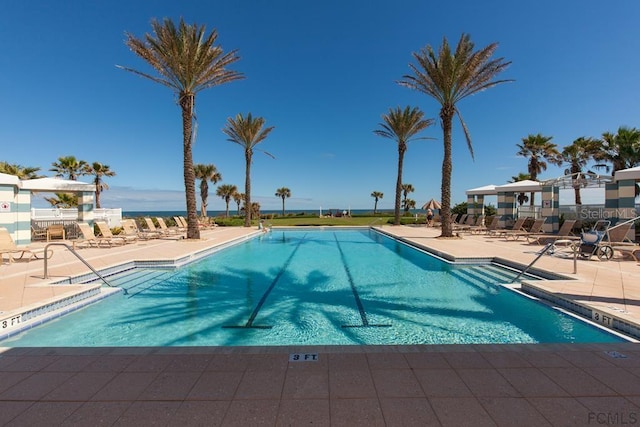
[476, 278]
[487, 277]
[139, 279]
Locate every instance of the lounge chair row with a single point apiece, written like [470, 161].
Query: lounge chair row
[616, 236]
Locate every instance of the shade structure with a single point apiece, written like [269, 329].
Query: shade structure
[632, 173]
[432, 204]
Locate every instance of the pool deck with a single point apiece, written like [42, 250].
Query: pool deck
[457, 385]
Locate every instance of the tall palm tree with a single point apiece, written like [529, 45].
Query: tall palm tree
[539, 150]
[406, 189]
[99, 171]
[187, 61]
[247, 132]
[238, 198]
[377, 195]
[402, 126]
[449, 77]
[283, 193]
[22, 172]
[69, 167]
[621, 149]
[576, 156]
[227, 191]
[206, 173]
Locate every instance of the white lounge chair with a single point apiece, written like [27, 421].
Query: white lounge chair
[8, 246]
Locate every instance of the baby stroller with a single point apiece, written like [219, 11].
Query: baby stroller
[596, 242]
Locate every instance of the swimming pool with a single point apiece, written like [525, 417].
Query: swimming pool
[322, 287]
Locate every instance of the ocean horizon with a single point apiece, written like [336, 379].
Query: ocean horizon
[212, 213]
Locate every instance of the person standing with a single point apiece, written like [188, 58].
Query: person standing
[429, 217]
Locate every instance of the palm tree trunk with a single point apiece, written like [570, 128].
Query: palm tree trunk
[282, 205]
[247, 189]
[396, 211]
[187, 102]
[227, 203]
[446, 115]
[98, 198]
[375, 207]
[204, 193]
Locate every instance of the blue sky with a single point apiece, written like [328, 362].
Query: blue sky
[322, 73]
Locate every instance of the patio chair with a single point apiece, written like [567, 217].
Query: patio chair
[38, 233]
[618, 234]
[164, 229]
[517, 226]
[89, 239]
[106, 232]
[487, 228]
[564, 233]
[466, 225]
[130, 228]
[56, 231]
[162, 234]
[618, 238]
[8, 246]
[179, 224]
[472, 224]
[535, 229]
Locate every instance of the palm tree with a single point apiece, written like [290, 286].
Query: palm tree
[406, 189]
[402, 126]
[576, 156]
[377, 195]
[63, 200]
[522, 198]
[22, 172]
[255, 210]
[227, 191]
[99, 170]
[187, 62]
[622, 150]
[238, 198]
[69, 167]
[409, 204]
[247, 132]
[205, 173]
[449, 77]
[283, 193]
[538, 148]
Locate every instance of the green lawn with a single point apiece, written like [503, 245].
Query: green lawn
[356, 220]
[311, 220]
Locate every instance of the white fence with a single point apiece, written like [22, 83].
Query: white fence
[113, 217]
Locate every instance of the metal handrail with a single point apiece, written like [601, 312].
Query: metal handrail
[542, 252]
[73, 251]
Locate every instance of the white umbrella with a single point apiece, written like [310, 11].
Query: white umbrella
[432, 204]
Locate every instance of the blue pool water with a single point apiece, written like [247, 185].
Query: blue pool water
[313, 288]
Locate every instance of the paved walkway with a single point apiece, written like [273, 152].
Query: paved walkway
[457, 385]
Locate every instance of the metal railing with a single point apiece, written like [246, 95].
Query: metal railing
[73, 251]
[549, 247]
